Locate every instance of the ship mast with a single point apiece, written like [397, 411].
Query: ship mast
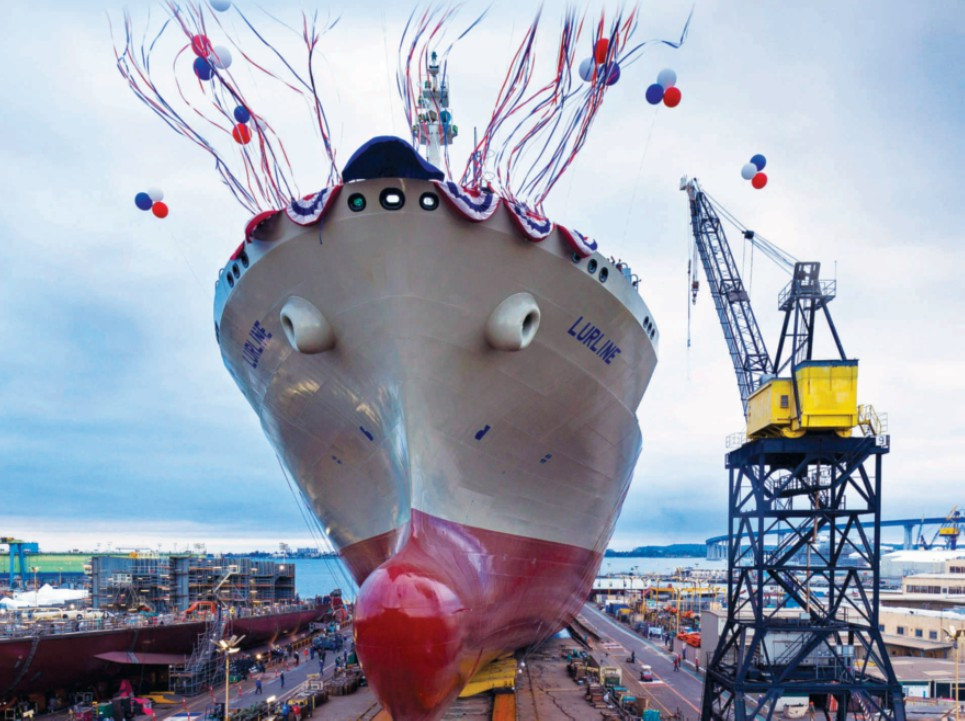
[434, 128]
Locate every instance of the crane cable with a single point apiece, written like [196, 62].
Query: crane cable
[781, 258]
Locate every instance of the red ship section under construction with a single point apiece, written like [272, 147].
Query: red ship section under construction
[45, 662]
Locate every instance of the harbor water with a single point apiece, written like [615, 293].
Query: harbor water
[318, 576]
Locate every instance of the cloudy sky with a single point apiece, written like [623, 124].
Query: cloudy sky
[118, 422]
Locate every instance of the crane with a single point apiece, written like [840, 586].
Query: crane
[799, 472]
[18, 550]
[948, 531]
[815, 395]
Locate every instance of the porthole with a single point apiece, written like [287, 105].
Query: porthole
[591, 266]
[244, 258]
[604, 274]
[575, 257]
[356, 202]
[391, 199]
[236, 270]
[231, 280]
[429, 201]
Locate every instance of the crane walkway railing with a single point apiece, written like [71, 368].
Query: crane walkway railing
[871, 422]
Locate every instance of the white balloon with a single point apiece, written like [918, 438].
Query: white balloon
[666, 78]
[586, 69]
[220, 5]
[748, 171]
[220, 57]
[155, 194]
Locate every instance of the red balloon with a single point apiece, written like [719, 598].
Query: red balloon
[159, 209]
[671, 96]
[201, 46]
[242, 134]
[759, 181]
[600, 51]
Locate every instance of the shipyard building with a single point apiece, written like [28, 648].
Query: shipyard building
[171, 583]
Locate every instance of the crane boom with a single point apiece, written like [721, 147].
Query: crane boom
[741, 331]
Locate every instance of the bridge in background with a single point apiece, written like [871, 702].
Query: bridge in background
[914, 528]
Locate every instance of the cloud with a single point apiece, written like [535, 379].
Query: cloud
[115, 405]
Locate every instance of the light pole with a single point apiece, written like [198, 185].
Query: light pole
[227, 647]
[35, 569]
[955, 635]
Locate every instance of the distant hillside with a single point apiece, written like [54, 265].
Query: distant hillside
[674, 550]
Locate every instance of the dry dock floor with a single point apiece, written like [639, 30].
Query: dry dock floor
[545, 691]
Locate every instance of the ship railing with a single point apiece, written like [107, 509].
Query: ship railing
[14, 628]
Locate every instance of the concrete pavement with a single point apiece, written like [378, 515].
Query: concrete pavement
[670, 690]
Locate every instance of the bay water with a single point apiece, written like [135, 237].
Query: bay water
[318, 576]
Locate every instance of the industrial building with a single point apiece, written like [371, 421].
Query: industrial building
[171, 583]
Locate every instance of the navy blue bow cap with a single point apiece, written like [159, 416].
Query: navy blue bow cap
[387, 156]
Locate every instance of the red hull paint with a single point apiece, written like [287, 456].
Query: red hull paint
[452, 599]
[70, 660]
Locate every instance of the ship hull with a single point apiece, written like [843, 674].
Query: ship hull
[44, 663]
[412, 436]
[455, 597]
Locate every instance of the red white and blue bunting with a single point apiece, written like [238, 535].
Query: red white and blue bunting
[474, 205]
[256, 222]
[578, 242]
[534, 225]
[312, 208]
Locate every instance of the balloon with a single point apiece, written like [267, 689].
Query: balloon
[160, 210]
[220, 57]
[241, 114]
[241, 133]
[203, 69]
[748, 171]
[666, 78]
[655, 94]
[445, 116]
[587, 67]
[613, 74]
[220, 5]
[671, 97]
[759, 162]
[155, 194]
[759, 181]
[600, 51]
[201, 45]
[143, 201]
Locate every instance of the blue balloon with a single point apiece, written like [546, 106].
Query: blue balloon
[143, 201]
[759, 161]
[241, 114]
[655, 94]
[445, 116]
[613, 73]
[203, 69]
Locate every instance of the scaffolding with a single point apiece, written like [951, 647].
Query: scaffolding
[167, 584]
[202, 671]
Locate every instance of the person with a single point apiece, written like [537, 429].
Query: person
[633, 657]
[676, 663]
[282, 677]
[285, 710]
[684, 653]
[697, 663]
[311, 652]
[296, 712]
[258, 686]
[296, 659]
[322, 660]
